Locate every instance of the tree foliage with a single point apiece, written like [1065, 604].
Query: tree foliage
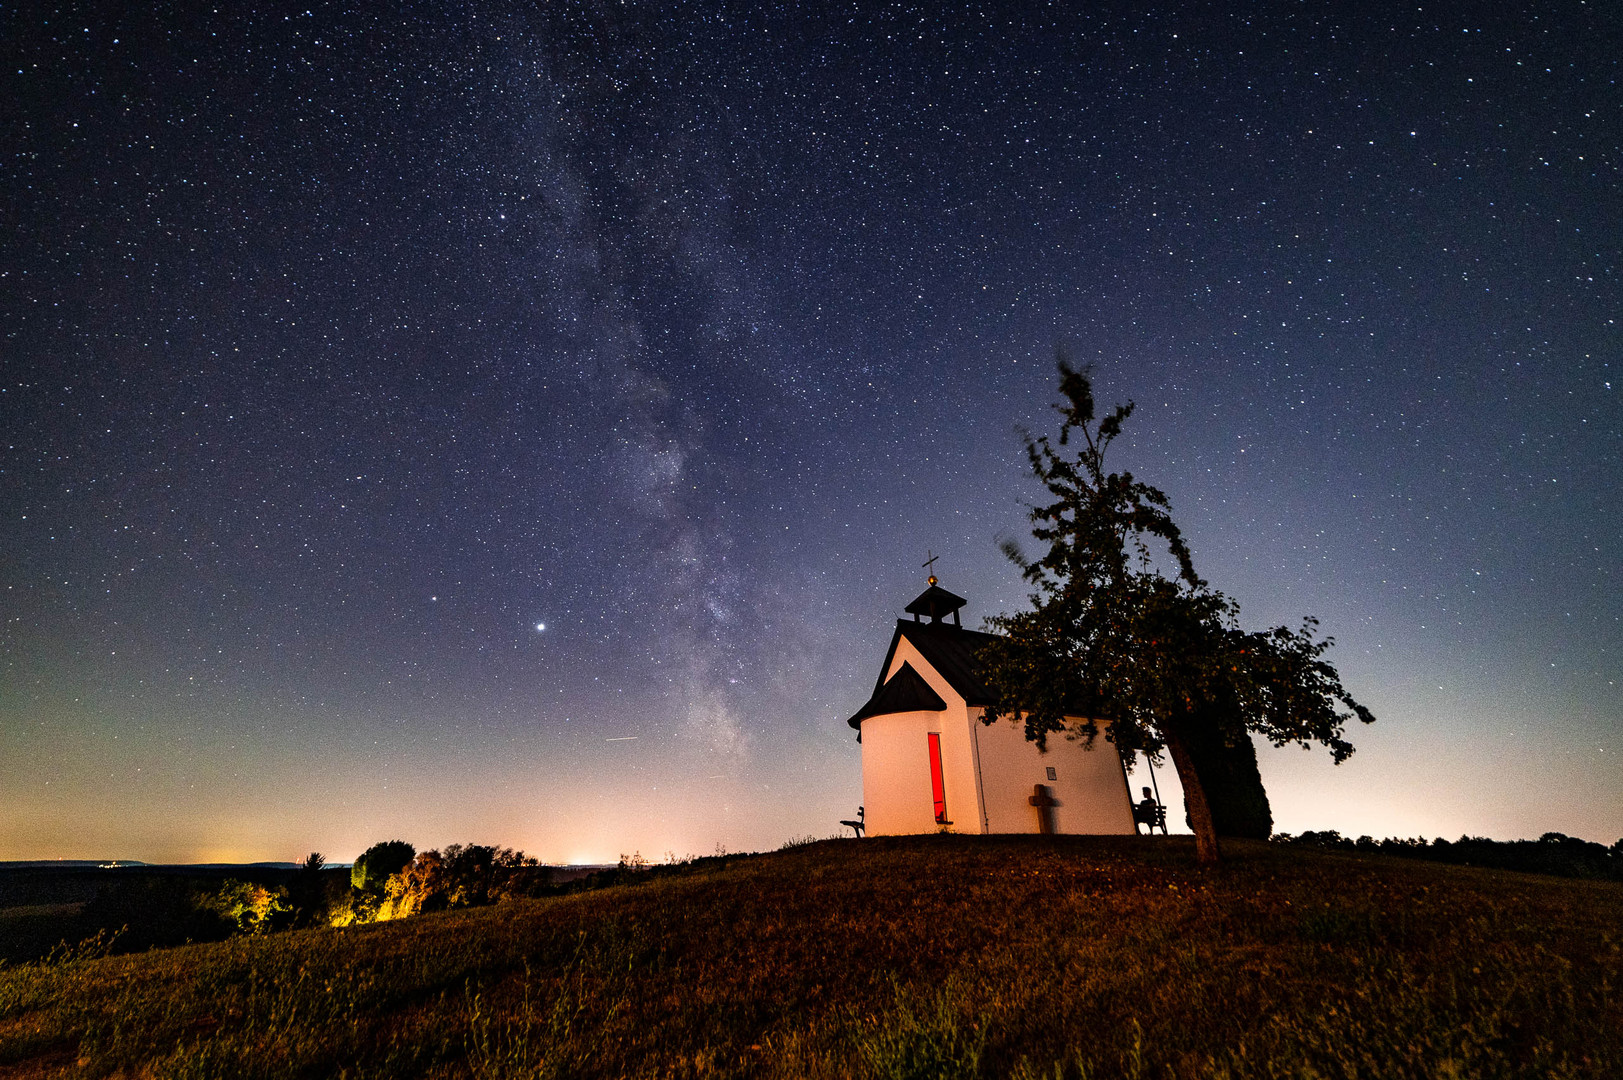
[463, 875]
[378, 863]
[1123, 630]
[254, 908]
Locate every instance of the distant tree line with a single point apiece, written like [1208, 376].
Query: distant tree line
[1553, 853]
[392, 880]
[140, 909]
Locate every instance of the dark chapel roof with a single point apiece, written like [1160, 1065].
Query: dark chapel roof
[948, 648]
[951, 651]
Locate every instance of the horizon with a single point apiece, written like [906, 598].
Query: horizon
[344, 864]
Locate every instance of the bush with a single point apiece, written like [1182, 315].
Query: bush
[378, 863]
[253, 909]
[464, 875]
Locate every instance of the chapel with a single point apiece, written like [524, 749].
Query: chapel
[930, 765]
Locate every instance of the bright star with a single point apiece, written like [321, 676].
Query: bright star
[540, 626]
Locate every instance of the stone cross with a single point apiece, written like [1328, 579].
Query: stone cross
[1045, 804]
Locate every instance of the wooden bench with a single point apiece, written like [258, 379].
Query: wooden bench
[1151, 813]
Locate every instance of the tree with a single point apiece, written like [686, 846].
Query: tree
[464, 875]
[1146, 647]
[378, 863]
[307, 892]
[254, 908]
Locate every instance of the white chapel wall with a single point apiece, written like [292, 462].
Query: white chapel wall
[896, 791]
[957, 749]
[1088, 784]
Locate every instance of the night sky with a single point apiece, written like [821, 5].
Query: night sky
[479, 426]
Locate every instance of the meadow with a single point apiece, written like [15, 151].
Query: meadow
[939, 956]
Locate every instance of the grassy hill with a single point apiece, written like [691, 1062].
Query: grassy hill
[922, 957]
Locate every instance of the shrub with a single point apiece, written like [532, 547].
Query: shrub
[251, 908]
[464, 875]
[378, 863]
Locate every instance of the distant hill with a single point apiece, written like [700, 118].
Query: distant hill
[96, 864]
[938, 956]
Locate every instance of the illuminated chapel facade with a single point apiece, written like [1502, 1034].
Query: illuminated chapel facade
[929, 764]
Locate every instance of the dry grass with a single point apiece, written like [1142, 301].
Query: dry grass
[925, 957]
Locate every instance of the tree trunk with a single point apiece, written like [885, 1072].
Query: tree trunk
[1194, 796]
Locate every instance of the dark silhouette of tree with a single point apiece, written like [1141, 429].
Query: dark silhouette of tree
[378, 863]
[307, 892]
[1157, 656]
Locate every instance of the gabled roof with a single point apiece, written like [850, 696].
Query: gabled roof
[949, 649]
[905, 692]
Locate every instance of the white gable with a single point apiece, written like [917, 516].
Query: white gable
[908, 653]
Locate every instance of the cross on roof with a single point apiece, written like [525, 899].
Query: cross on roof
[929, 564]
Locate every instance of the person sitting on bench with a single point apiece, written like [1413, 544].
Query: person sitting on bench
[1151, 813]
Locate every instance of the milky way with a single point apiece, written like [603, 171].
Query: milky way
[342, 352]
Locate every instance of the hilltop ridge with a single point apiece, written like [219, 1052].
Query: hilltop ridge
[936, 955]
